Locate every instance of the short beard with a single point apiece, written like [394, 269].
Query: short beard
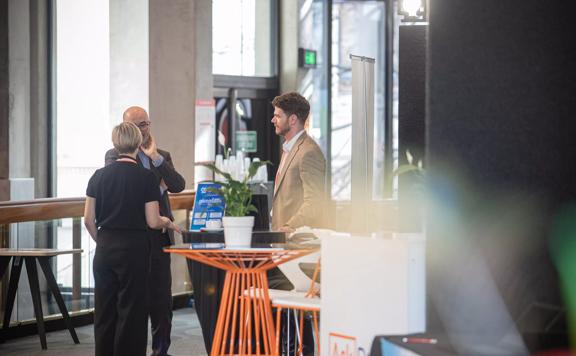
[284, 131]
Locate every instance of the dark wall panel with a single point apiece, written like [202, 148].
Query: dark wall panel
[412, 91]
[411, 120]
[501, 153]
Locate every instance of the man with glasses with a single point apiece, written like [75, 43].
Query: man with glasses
[169, 180]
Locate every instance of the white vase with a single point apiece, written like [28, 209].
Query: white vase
[238, 230]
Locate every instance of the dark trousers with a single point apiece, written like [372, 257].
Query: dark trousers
[160, 293]
[121, 265]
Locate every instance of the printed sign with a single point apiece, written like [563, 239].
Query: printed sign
[205, 138]
[246, 141]
[207, 206]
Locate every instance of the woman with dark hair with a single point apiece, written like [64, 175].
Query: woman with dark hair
[121, 204]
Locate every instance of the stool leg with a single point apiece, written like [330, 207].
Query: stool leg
[278, 317]
[45, 265]
[4, 262]
[316, 329]
[36, 299]
[301, 332]
[288, 331]
[12, 288]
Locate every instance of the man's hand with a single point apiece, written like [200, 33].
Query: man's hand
[150, 149]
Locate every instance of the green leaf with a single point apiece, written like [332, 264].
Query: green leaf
[253, 169]
[252, 208]
[405, 168]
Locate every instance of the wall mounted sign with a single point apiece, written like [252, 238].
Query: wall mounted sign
[246, 141]
[307, 58]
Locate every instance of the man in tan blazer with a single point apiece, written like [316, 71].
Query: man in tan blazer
[299, 188]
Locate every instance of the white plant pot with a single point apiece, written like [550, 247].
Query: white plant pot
[238, 230]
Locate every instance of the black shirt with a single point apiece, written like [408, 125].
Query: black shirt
[121, 191]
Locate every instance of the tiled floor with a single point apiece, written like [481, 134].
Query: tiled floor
[186, 340]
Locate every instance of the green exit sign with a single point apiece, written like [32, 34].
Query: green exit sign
[307, 58]
[246, 141]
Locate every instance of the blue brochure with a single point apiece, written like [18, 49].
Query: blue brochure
[207, 205]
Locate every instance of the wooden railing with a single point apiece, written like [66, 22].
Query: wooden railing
[54, 208]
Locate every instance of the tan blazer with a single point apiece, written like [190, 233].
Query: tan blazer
[300, 195]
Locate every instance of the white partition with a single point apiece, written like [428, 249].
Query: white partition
[370, 286]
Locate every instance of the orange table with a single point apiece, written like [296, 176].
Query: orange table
[248, 313]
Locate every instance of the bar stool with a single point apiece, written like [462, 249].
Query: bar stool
[299, 303]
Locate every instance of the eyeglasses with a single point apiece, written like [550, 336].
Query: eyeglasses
[143, 124]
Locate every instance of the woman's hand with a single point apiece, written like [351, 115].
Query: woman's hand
[168, 224]
[175, 227]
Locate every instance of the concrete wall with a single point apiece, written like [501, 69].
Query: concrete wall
[288, 46]
[40, 129]
[19, 87]
[4, 102]
[24, 95]
[203, 50]
[128, 56]
[179, 74]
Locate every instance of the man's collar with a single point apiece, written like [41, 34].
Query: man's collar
[287, 146]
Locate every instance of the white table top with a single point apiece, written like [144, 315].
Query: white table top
[37, 252]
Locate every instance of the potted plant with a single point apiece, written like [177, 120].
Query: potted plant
[237, 194]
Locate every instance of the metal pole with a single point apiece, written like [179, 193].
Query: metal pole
[232, 98]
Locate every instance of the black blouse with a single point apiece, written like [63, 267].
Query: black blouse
[121, 191]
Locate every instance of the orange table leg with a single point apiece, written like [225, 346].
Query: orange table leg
[256, 314]
[242, 322]
[238, 312]
[268, 308]
[235, 295]
[219, 332]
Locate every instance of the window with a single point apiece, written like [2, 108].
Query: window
[357, 28]
[314, 82]
[82, 102]
[244, 37]
[82, 92]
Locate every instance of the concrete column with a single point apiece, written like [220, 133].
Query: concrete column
[128, 56]
[39, 128]
[4, 102]
[180, 46]
[19, 87]
[289, 12]
[203, 50]
[264, 37]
